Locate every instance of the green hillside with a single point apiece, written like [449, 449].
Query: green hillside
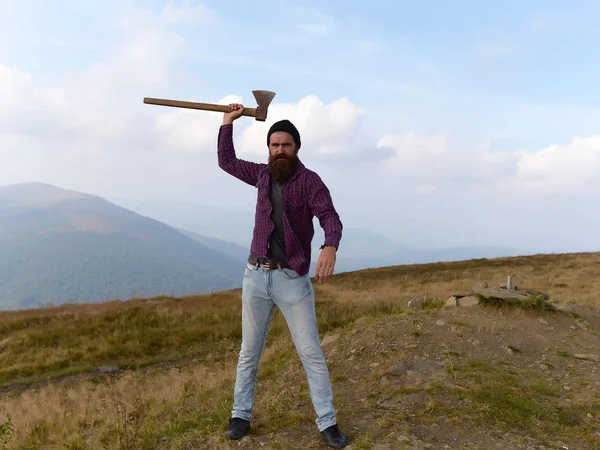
[159, 373]
[60, 246]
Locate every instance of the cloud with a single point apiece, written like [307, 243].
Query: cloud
[548, 21]
[314, 21]
[573, 168]
[186, 11]
[326, 130]
[315, 28]
[91, 124]
[440, 160]
[496, 48]
[191, 131]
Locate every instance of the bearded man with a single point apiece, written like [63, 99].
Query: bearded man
[276, 275]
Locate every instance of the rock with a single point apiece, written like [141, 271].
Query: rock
[563, 307]
[499, 292]
[461, 294]
[382, 447]
[543, 321]
[468, 301]
[329, 339]
[586, 357]
[108, 369]
[416, 301]
[451, 302]
[417, 373]
[374, 365]
[440, 322]
[583, 325]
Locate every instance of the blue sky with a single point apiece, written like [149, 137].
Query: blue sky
[442, 103]
[520, 74]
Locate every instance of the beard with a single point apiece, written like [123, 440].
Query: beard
[283, 167]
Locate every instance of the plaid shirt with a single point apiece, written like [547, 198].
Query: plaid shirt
[304, 197]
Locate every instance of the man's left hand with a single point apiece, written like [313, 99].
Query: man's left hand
[325, 264]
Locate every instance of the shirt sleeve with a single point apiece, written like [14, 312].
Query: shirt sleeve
[246, 171]
[321, 205]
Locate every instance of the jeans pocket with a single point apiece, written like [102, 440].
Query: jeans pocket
[250, 269]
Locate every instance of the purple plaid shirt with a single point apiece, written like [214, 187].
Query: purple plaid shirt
[304, 197]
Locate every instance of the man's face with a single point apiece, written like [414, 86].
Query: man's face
[282, 155]
[282, 143]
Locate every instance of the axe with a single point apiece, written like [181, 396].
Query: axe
[263, 100]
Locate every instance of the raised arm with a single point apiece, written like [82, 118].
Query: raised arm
[246, 171]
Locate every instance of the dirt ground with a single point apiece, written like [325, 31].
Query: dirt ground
[425, 380]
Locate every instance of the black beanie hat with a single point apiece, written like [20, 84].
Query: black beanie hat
[288, 127]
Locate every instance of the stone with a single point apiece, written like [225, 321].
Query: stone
[329, 339]
[108, 369]
[468, 301]
[498, 292]
[418, 373]
[542, 320]
[416, 301]
[451, 302]
[563, 307]
[586, 357]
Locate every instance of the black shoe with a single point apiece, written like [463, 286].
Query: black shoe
[237, 428]
[334, 437]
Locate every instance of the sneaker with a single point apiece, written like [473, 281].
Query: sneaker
[237, 428]
[334, 437]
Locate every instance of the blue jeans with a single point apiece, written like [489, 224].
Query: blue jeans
[293, 294]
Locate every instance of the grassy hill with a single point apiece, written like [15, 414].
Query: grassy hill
[59, 246]
[482, 377]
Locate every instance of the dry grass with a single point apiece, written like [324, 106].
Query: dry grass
[106, 413]
[567, 278]
[146, 409]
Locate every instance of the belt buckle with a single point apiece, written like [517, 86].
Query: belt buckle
[268, 265]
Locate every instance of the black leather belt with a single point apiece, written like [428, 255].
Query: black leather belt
[263, 264]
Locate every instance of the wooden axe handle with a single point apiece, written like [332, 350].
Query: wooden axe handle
[194, 105]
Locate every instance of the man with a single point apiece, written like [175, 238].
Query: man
[289, 196]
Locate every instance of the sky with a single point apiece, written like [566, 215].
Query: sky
[434, 123]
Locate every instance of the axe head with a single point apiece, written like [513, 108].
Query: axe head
[263, 100]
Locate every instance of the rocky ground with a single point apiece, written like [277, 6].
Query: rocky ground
[461, 377]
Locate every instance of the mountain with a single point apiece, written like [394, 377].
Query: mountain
[235, 251]
[59, 246]
[360, 248]
[402, 256]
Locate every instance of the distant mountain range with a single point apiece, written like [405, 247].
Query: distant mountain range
[359, 249]
[59, 246]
